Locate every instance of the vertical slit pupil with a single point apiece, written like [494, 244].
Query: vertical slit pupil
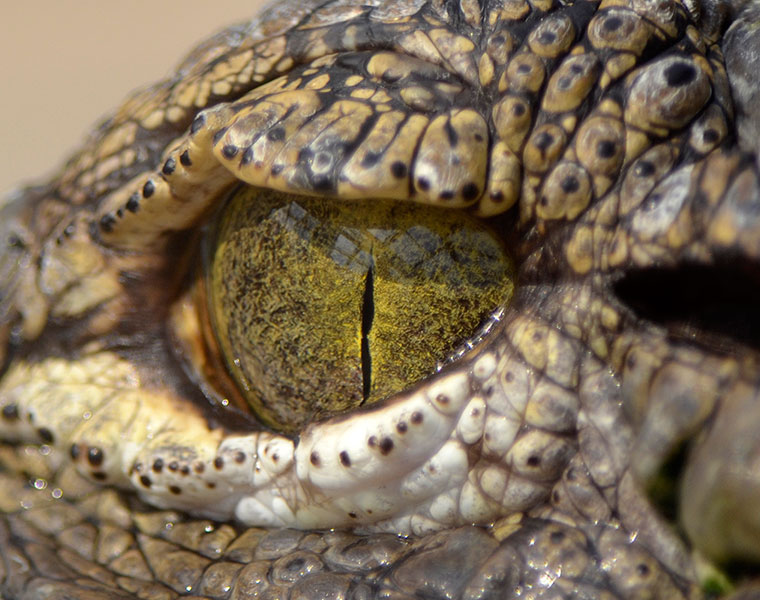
[368, 314]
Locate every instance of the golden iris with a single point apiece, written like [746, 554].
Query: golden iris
[322, 306]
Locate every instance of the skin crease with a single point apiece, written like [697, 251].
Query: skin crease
[190, 552]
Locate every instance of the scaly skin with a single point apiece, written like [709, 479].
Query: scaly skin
[603, 136]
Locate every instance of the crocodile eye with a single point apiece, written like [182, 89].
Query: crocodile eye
[318, 307]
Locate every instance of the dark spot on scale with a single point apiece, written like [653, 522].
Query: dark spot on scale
[556, 536]
[305, 155]
[148, 189]
[276, 134]
[74, 451]
[184, 470]
[498, 39]
[612, 23]
[277, 169]
[710, 136]
[119, 213]
[570, 474]
[543, 141]
[10, 412]
[451, 134]
[402, 427]
[145, 480]
[175, 490]
[95, 456]
[544, 201]
[417, 418]
[169, 166]
[524, 68]
[173, 466]
[314, 459]
[576, 69]
[398, 169]
[442, 399]
[565, 83]
[537, 336]
[386, 446]
[547, 37]
[510, 377]
[229, 151]
[370, 159]
[446, 195]
[184, 159]
[570, 184]
[642, 569]
[99, 475]
[390, 76]
[107, 222]
[606, 149]
[198, 123]
[15, 241]
[556, 496]
[247, 157]
[519, 109]
[240, 457]
[133, 204]
[423, 183]
[534, 460]
[644, 168]
[210, 485]
[199, 467]
[158, 465]
[275, 458]
[218, 463]
[295, 564]
[680, 73]
[470, 191]
[345, 459]
[322, 160]
[497, 196]
[352, 515]
[651, 202]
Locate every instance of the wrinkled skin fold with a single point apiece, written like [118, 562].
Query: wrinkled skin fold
[612, 151]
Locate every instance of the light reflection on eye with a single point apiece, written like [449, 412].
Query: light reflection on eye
[321, 306]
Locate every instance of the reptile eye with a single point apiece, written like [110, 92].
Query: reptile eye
[318, 307]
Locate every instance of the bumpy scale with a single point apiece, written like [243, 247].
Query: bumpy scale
[604, 133]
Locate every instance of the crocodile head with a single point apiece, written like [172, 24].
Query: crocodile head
[603, 135]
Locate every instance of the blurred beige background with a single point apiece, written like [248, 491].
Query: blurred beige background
[65, 64]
